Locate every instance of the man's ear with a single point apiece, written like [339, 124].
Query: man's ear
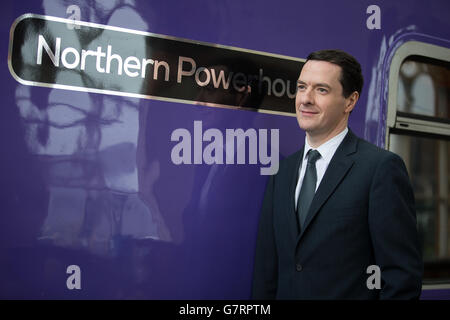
[351, 101]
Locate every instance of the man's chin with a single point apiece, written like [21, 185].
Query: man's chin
[306, 127]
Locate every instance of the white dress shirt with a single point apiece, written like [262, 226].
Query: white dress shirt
[327, 151]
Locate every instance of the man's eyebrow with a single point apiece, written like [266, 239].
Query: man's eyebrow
[322, 85]
[315, 85]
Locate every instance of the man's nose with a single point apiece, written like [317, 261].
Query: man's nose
[305, 97]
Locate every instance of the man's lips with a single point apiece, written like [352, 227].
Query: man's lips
[308, 112]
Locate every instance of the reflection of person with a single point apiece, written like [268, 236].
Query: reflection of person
[208, 247]
[361, 210]
[247, 95]
[99, 190]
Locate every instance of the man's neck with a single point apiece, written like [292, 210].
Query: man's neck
[316, 141]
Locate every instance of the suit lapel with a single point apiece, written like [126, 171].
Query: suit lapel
[292, 215]
[339, 165]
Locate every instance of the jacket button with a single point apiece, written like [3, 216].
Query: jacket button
[298, 267]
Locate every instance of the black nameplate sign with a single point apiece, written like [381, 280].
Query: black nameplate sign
[60, 53]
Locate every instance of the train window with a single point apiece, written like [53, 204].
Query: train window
[428, 162]
[419, 89]
[418, 129]
[424, 88]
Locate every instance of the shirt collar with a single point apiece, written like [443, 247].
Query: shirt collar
[328, 148]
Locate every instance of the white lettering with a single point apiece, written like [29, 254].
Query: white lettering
[108, 61]
[221, 78]
[274, 86]
[109, 58]
[132, 63]
[76, 55]
[374, 20]
[182, 72]
[261, 80]
[75, 12]
[190, 310]
[166, 67]
[246, 143]
[197, 77]
[145, 62]
[216, 147]
[100, 54]
[264, 158]
[74, 280]
[54, 57]
[240, 136]
[239, 82]
[198, 142]
[374, 281]
[84, 54]
[181, 153]
[288, 86]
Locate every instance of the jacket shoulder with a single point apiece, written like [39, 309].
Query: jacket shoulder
[376, 156]
[290, 162]
[369, 149]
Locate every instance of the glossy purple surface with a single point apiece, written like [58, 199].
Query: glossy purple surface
[87, 179]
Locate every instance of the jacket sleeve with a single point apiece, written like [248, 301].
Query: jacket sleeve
[265, 272]
[393, 230]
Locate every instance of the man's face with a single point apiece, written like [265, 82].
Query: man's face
[320, 105]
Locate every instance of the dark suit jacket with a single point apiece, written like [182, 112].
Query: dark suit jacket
[362, 214]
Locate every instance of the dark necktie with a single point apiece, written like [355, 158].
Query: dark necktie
[308, 187]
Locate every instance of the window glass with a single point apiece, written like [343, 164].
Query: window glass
[428, 162]
[424, 87]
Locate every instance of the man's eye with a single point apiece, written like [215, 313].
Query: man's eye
[301, 87]
[322, 90]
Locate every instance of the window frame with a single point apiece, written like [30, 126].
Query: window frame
[412, 123]
[399, 122]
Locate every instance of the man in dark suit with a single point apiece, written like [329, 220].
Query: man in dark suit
[340, 208]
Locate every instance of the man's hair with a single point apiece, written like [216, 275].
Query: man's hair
[351, 77]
